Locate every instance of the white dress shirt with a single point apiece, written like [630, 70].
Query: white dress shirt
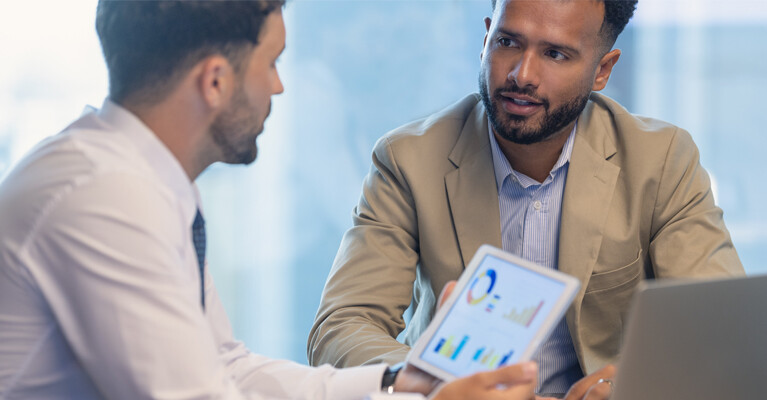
[100, 286]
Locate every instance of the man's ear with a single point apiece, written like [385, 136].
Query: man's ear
[488, 22]
[605, 68]
[215, 80]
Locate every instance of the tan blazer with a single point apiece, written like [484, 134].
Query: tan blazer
[637, 204]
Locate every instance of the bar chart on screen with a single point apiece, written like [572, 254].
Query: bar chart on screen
[448, 348]
[492, 321]
[491, 359]
[525, 316]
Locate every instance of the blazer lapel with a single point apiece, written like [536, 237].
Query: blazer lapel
[591, 181]
[473, 195]
[471, 188]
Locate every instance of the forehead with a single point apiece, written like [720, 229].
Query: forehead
[271, 40]
[574, 22]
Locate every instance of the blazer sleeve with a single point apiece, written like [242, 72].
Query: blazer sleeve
[689, 238]
[371, 282]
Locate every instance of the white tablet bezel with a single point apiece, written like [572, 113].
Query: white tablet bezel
[552, 318]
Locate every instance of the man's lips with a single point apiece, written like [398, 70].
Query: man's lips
[518, 104]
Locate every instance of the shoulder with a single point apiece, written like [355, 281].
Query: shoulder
[443, 127]
[74, 176]
[625, 125]
[609, 124]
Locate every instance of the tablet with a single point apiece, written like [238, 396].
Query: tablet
[502, 308]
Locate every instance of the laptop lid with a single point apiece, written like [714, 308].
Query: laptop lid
[700, 340]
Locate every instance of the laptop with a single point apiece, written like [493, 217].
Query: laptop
[699, 340]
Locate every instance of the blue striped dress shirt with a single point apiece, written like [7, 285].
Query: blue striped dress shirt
[530, 215]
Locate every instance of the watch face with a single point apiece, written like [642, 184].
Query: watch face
[390, 375]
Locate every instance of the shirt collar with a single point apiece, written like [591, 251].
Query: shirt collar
[157, 156]
[503, 169]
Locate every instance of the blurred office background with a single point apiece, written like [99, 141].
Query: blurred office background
[354, 70]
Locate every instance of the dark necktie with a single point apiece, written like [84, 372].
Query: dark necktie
[198, 237]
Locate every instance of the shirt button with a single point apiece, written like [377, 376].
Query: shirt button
[537, 205]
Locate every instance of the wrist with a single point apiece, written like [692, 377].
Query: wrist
[390, 376]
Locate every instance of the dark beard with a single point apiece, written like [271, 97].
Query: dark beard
[228, 128]
[553, 122]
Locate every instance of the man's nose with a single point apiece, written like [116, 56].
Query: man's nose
[525, 72]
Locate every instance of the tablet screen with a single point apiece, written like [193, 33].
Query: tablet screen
[494, 319]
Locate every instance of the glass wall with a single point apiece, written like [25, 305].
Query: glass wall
[354, 70]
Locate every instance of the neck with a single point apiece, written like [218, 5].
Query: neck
[535, 160]
[178, 126]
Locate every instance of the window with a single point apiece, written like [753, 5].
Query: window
[355, 70]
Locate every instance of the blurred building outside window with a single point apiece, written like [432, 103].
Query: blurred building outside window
[354, 70]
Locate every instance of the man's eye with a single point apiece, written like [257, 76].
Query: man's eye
[556, 55]
[506, 42]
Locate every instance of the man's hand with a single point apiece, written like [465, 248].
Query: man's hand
[590, 387]
[513, 382]
[449, 286]
[596, 386]
[411, 379]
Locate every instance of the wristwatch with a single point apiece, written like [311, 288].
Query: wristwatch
[389, 376]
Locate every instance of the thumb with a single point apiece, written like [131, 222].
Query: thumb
[581, 388]
[526, 372]
[446, 293]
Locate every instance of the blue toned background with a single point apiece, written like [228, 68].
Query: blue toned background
[356, 69]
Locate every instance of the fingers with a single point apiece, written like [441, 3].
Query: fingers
[518, 377]
[515, 382]
[510, 375]
[599, 391]
[412, 379]
[446, 293]
[580, 389]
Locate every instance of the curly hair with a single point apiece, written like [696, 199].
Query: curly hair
[617, 15]
[149, 45]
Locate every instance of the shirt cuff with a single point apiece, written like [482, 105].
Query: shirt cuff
[356, 383]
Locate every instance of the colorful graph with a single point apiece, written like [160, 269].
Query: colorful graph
[491, 304]
[490, 274]
[524, 317]
[490, 358]
[448, 348]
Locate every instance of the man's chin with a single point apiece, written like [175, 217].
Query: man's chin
[526, 139]
[243, 157]
[517, 133]
[249, 158]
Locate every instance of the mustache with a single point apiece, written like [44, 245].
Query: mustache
[514, 88]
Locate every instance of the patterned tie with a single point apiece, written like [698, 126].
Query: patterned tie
[198, 237]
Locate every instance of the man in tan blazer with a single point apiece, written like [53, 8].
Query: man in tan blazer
[636, 205]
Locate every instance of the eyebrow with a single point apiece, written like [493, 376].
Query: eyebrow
[557, 46]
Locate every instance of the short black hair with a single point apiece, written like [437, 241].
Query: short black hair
[149, 45]
[617, 15]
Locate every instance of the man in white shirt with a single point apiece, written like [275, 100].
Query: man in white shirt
[104, 291]
[100, 292]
